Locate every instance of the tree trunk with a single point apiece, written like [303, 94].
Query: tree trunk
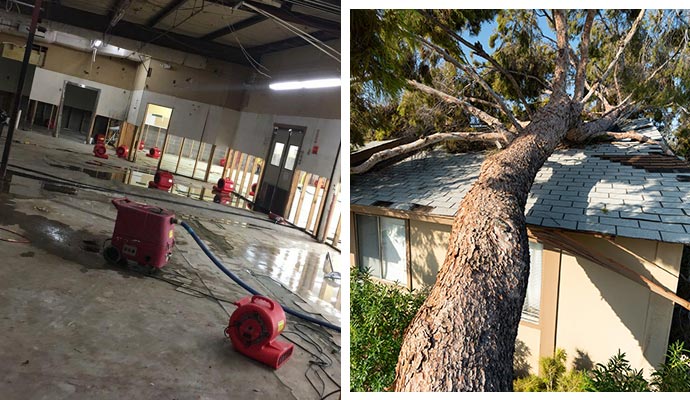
[463, 337]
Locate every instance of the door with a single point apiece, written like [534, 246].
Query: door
[281, 160]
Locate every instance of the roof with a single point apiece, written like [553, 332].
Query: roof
[625, 188]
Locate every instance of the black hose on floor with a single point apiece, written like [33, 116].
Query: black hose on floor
[248, 288]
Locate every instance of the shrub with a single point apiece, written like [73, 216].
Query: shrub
[379, 314]
[674, 374]
[617, 376]
[553, 377]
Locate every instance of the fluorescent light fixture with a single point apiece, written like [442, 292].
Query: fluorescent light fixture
[310, 84]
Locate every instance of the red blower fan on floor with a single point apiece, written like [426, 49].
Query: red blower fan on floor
[253, 328]
[162, 180]
[222, 191]
[154, 152]
[143, 234]
[122, 151]
[100, 151]
[142, 145]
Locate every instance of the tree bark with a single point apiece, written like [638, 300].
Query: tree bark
[463, 337]
[426, 142]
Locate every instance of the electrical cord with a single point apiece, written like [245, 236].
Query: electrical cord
[248, 288]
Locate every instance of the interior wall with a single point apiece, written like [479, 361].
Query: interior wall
[220, 83]
[114, 102]
[302, 63]
[111, 71]
[9, 76]
[601, 311]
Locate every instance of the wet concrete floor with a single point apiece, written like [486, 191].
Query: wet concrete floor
[77, 327]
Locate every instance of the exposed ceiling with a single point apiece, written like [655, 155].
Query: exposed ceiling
[212, 28]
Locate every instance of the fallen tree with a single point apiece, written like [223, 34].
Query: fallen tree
[625, 63]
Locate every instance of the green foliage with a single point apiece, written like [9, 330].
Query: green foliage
[379, 314]
[617, 376]
[674, 374]
[553, 377]
[683, 146]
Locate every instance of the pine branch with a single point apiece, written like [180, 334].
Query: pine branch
[427, 141]
[561, 70]
[480, 52]
[616, 58]
[487, 118]
[584, 55]
[475, 77]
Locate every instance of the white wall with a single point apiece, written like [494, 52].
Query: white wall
[47, 87]
[255, 130]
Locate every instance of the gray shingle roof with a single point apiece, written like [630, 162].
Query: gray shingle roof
[575, 190]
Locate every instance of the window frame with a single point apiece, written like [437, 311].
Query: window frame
[407, 264]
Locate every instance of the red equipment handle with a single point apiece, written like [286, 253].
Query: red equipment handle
[265, 299]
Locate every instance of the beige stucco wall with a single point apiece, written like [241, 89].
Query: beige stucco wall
[429, 242]
[527, 347]
[586, 309]
[601, 311]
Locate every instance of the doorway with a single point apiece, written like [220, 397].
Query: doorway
[77, 112]
[154, 133]
[281, 160]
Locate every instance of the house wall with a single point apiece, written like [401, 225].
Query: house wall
[428, 245]
[606, 311]
[586, 309]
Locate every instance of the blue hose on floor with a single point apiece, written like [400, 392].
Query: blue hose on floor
[249, 288]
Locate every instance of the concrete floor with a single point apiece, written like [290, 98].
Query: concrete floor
[75, 326]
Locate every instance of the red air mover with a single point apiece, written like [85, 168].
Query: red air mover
[252, 191]
[143, 234]
[141, 145]
[100, 139]
[122, 151]
[224, 186]
[253, 327]
[154, 152]
[100, 151]
[222, 162]
[162, 180]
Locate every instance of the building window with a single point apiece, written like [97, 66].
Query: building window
[530, 309]
[382, 247]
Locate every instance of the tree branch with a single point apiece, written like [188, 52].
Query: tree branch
[488, 119]
[584, 55]
[561, 69]
[617, 57]
[473, 74]
[479, 50]
[426, 142]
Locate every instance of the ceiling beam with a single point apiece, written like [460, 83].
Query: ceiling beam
[311, 21]
[164, 12]
[226, 30]
[290, 43]
[129, 30]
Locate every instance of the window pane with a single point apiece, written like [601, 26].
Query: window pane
[291, 157]
[277, 154]
[530, 310]
[394, 250]
[368, 244]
